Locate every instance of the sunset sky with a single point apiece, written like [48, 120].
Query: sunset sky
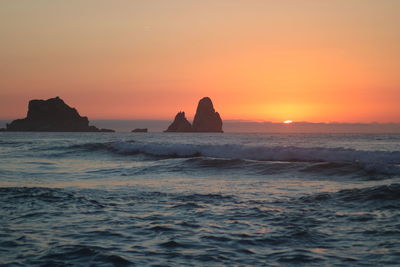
[300, 60]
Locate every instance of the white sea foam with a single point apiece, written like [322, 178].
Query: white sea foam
[265, 153]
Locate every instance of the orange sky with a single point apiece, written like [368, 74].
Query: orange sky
[303, 60]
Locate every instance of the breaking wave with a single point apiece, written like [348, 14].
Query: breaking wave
[262, 160]
[264, 153]
[256, 159]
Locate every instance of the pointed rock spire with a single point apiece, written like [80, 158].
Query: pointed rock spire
[180, 124]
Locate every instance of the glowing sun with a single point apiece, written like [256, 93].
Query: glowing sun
[287, 121]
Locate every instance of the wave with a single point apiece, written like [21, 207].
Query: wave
[263, 160]
[77, 254]
[358, 168]
[239, 152]
[14, 143]
[264, 153]
[44, 195]
[379, 194]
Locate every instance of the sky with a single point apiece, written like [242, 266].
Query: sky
[300, 60]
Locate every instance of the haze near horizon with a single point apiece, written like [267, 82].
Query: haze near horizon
[316, 61]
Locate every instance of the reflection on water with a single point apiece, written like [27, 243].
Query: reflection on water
[66, 200]
[228, 225]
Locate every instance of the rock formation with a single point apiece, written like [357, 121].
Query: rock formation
[206, 119]
[52, 115]
[105, 130]
[180, 124]
[140, 130]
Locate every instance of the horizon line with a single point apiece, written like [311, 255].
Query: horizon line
[234, 120]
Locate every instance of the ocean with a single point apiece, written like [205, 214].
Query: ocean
[158, 199]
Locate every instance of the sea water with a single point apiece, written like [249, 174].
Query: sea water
[158, 199]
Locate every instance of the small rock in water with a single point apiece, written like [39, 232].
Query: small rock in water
[140, 130]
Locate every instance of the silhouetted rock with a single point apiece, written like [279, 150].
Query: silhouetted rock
[180, 124]
[140, 130]
[206, 119]
[52, 115]
[104, 130]
[2, 129]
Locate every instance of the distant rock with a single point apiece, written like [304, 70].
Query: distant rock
[140, 130]
[180, 124]
[52, 115]
[206, 118]
[2, 129]
[104, 130]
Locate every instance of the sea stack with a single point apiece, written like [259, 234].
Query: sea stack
[206, 118]
[180, 124]
[52, 115]
[139, 130]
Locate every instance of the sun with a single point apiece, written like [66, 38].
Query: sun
[287, 121]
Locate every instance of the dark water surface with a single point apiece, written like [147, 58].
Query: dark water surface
[110, 199]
